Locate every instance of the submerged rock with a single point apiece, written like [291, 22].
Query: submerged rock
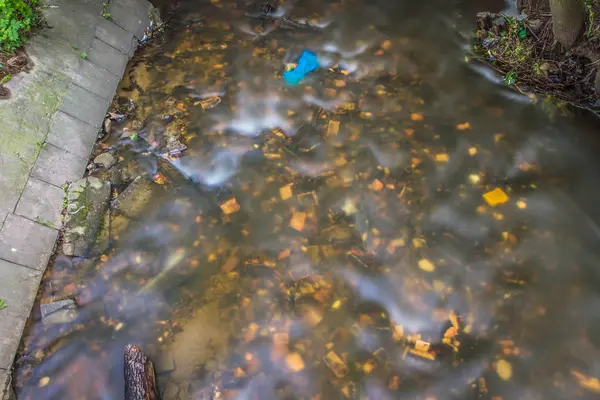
[105, 160]
[87, 201]
[59, 312]
[165, 363]
[136, 197]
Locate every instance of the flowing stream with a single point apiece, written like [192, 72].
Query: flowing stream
[400, 225]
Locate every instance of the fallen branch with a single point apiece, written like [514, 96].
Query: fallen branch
[140, 380]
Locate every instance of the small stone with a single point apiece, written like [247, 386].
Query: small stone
[211, 365]
[59, 312]
[105, 160]
[172, 392]
[107, 125]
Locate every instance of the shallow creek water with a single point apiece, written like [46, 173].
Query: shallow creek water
[399, 225]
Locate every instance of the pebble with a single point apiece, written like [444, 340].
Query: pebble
[105, 160]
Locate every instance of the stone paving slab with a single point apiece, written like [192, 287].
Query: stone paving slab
[27, 243]
[18, 289]
[85, 105]
[115, 36]
[72, 135]
[131, 15]
[97, 80]
[41, 202]
[57, 166]
[49, 127]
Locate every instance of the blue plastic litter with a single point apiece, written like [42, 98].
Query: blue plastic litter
[307, 63]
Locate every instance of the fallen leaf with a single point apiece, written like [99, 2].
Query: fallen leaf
[398, 332]
[592, 384]
[368, 367]
[504, 369]
[44, 381]
[422, 354]
[230, 206]
[376, 185]
[333, 127]
[495, 197]
[251, 332]
[451, 332]
[298, 220]
[285, 191]
[463, 126]
[426, 265]
[442, 157]
[211, 102]
[417, 117]
[335, 363]
[230, 264]
[294, 362]
[421, 345]
[284, 254]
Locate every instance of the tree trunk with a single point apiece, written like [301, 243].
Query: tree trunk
[140, 381]
[568, 17]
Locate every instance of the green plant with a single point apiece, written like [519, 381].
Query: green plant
[3, 305]
[591, 17]
[105, 13]
[5, 79]
[17, 17]
[83, 55]
[510, 78]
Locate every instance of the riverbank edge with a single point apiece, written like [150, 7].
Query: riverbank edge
[48, 129]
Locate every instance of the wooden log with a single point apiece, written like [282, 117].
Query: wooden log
[140, 380]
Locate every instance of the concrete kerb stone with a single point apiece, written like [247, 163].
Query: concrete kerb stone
[6, 390]
[49, 128]
[109, 58]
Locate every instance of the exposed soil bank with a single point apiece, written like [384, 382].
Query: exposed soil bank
[526, 51]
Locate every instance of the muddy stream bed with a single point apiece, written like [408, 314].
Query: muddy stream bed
[398, 225]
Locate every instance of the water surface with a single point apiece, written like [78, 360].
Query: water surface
[401, 225]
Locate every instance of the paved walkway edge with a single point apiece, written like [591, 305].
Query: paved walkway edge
[49, 127]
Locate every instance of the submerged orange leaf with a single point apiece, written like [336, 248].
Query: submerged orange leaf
[294, 362]
[285, 191]
[230, 206]
[298, 220]
[495, 197]
[463, 127]
[504, 369]
[426, 265]
[592, 384]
